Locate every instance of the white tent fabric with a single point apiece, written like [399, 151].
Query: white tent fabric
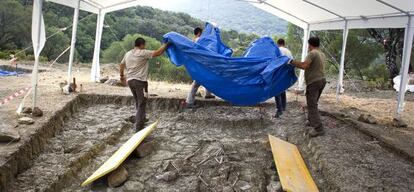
[38, 40]
[95, 71]
[311, 15]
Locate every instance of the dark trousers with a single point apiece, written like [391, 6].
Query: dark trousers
[138, 88]
[313, 93]
[281, 101]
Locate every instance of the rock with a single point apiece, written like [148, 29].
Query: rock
[130, 119]
[117, 177]
[167, 176]
[227, 189]
[8, 135]
[37, 112]
[25, 121]
[243, 185]
[114, 82]
[144, 149]
[367, 118]
[131, 186]
[274, 186]
[398, 122]
[27, 110]
[104, 79]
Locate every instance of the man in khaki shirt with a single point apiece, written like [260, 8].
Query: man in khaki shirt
[315, 83]
[136, 63]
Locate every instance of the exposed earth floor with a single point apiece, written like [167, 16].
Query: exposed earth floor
[216, 147]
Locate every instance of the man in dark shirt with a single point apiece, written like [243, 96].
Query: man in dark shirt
[315, 83]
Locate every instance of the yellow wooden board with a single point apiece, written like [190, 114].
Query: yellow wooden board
[293, 173]
[120, 155]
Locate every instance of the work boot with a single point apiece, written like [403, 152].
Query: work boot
[139, 128]
[278, 114]
[314, 132]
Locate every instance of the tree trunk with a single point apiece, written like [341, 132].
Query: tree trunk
[392, 40]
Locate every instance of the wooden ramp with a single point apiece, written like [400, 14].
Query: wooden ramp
[120, 155]
[293, 173]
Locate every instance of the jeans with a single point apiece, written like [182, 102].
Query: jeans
[313, 93]
[138, 88]
[281, 102]
[191, 96]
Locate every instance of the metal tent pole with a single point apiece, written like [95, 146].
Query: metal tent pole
[408, 45]
[38, 44]
[306, 34]
[73, 41]
[339, 88]
[95, 71]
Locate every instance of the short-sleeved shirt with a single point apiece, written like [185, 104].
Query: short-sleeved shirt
[136, 62]
[315, 72]
[286, 52]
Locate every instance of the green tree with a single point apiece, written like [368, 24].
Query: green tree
[14, 25]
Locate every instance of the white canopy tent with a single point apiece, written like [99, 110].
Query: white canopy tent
[310, 15]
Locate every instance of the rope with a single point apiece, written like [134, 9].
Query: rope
[13, 96]
[116, 37]
[338, 64]
[50, 36]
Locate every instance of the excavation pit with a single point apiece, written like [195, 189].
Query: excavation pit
[216, 147]
[213, 147]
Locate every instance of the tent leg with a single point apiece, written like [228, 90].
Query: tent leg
[95, 71]
[38, 37]
[73, 41]
[408, 45]
[301, 81]
[339, 88]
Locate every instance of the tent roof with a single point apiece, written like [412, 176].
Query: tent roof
[332, 14]
[312, 14]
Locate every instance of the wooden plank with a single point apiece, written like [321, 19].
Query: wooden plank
[120, 155]
[293, 173]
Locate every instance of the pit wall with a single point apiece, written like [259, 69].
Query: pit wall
[29, 148]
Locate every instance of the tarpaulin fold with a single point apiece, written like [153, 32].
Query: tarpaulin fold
[259, 74]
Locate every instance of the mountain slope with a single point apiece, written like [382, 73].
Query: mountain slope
[229, 14]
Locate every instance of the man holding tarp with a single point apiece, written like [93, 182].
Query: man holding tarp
[281, 99]
[136, 63]
[315, 83]
[194, 86]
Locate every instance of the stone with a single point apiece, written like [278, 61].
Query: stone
[131, 186]
[37, 112]
[398, 122]
[367, 118]
[145, 149]
[114, 82]
[130, 119]
[104, 79]
[27, 110]
[227, 189]
[8, 135]
[25, 121]
[167, 176]
[274, 186]
[117, 177]
[243, 185]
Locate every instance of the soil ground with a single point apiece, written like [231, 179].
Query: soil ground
[228, 145]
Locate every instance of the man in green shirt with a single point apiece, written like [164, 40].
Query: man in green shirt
[315, 83]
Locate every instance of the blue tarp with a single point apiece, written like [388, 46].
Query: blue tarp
[7, 73]
[259, 74]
